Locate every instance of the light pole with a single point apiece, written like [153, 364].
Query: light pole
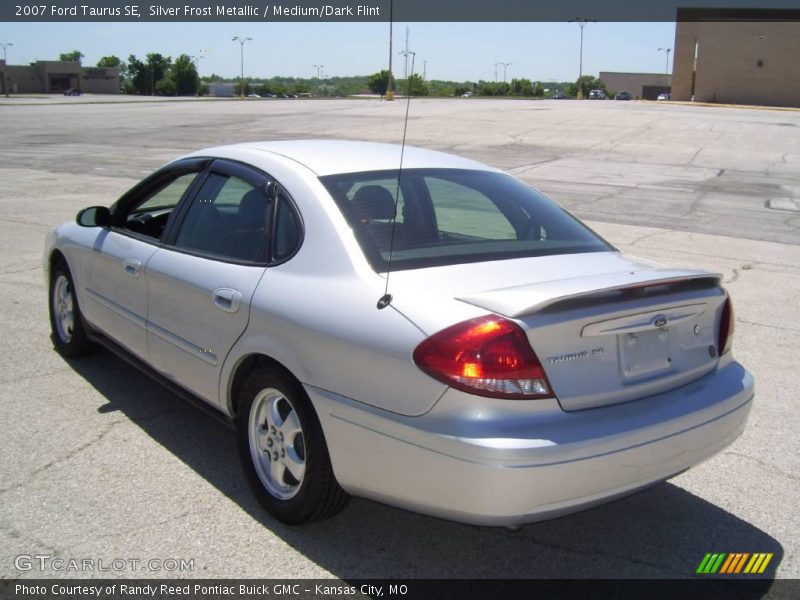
[666, 68]
[242, 41]
[5, 66]
[389, 84]
[582, 23]
[505, 66]
[319, 70]
[196, 60]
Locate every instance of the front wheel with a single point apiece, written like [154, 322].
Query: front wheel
[68, 334]
[283, 450]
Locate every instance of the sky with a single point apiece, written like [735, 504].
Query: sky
[450, 51]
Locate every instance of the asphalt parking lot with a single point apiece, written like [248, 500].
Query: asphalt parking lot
[98, 462]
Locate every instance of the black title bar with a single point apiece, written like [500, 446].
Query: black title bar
[395, 10]
[711, 588]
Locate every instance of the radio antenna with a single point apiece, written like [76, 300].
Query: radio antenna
[386, 299]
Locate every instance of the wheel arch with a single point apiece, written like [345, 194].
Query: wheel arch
[56, 257]
[244, 366]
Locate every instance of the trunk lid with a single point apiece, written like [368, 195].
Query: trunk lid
[614, 330]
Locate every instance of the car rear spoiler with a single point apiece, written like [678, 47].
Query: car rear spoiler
[518, 301]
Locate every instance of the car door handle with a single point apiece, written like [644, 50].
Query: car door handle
[132, 267]
[227, 299]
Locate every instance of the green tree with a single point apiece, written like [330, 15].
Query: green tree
[111, 61]
[414, 86]
[300, 88]
[138, 76]
[521, 87]
[74, 56]
[158, 67]
[378, 82]
[184, 74]
[237, 88]
[166, 87]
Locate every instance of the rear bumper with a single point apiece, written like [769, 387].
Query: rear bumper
[507, 462]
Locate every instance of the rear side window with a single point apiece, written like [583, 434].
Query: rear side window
[288, 230]
[448, 216]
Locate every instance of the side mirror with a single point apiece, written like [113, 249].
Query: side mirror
[94, 216]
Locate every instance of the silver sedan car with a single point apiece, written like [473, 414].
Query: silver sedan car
[402, 325]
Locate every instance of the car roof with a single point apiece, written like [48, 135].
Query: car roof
[329, 157]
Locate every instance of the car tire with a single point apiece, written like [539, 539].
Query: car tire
[283, 450]
[66, 321]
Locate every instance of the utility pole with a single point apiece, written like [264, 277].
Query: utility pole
[666, 69]
[389, 85]
[319, 70]
[5, 46]
[405, 72]
[505, 66]
[242, 41]
[196, 60]
[582, 23]
[424, 69]
[495, 71]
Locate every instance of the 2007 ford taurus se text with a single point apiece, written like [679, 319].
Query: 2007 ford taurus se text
[434, 334]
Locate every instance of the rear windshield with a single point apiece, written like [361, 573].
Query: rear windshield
[453, 216]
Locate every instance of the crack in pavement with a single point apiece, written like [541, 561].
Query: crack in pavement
[769, 326]
[767, 466]
[646, 236]
[71, 454]
[592, 553]
[169, 520]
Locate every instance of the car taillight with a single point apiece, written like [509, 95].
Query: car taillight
[726, 328]
[488, 356]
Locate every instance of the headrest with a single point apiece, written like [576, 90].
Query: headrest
[373, 202]
[253, 210]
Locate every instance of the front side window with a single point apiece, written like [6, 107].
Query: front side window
[449, 216]
[150, 214]
[228, 218]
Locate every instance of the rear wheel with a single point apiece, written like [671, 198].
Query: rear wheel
[283, 450]
[68, 333]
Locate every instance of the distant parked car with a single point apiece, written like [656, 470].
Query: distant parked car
[623, 96]
[467, 95]
[559, 96]
[253, 96]
[597, 95]
[665, 96]
[73, 92]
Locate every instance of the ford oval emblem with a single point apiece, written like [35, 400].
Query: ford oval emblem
[660, 321]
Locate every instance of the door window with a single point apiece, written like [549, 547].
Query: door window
[150, 214]
[229, 218]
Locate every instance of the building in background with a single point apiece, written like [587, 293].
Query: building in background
[643, 86]
[56, 77]
[737, 56]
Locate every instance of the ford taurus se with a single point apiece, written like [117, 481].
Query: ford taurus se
[432, 334]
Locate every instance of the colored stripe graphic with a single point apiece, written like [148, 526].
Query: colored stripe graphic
[711, 563]
[734, 563]
[758, 563]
